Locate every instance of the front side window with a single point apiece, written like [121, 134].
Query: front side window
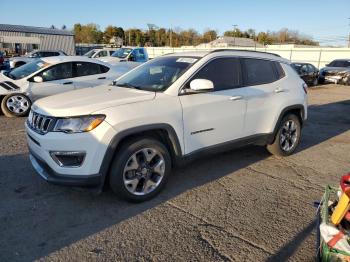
[86, 68]
[258, 71]
[225, 73]
[57, 72]
[157, 74]
[102, 53]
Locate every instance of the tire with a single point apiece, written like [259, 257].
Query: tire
[289, 129]
[135, 178]
[15, 105]
[315, 82]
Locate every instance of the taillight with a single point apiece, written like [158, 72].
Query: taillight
[305, 88]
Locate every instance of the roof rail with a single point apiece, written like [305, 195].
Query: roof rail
[244, 50]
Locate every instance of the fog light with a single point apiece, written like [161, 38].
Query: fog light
[68, 158]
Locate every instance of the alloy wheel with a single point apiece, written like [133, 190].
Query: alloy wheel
[144, 171]
[289, 135]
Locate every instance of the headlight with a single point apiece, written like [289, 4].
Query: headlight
[78, 124]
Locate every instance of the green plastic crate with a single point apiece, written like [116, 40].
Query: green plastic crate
[324, 252]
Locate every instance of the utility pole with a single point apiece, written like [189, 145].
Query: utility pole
[234, 34]
[349, 36]
[171, 37]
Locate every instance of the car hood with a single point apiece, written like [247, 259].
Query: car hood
[89, 100]
[7, 84]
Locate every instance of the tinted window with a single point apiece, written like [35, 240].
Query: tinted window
[280, 71]
[311, 68]
[225, 73]
[85, 69]
[57, 72]
[111, 52]
[104, 69]
[258, 72]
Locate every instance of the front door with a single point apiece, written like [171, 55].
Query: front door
[56, 79]
[217, 116]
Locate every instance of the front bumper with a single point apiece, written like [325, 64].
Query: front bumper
[51, 176]
[94, 143]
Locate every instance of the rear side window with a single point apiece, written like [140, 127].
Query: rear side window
[104, 69]
[86, 68]
[258, 71]
[225, 73]
[279, 70]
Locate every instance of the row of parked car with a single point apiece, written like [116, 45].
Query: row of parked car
[45, 73]
[338, 72]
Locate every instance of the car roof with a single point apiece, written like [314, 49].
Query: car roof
[63, 59]
[234, 52]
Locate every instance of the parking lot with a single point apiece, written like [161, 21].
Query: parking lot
[243, 205]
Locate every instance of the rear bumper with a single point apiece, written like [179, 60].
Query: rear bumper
[53, 177]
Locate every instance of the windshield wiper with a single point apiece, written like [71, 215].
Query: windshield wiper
[128, 85]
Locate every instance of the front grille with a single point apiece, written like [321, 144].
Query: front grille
[40, 123]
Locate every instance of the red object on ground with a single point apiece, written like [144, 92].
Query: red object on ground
[345, 182]
[331, 243]
[347, 216]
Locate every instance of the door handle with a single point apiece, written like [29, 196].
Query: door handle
[67, 83]
[280, 90]
[235, 98]
[102, 77]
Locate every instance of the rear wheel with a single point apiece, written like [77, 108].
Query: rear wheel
[287, 137]
[140, 169]
[15, 105]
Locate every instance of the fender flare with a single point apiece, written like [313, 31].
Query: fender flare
[113, 145]
[282, 114]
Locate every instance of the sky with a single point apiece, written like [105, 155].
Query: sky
[326, 21]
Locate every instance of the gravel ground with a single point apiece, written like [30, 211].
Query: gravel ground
[243, 205]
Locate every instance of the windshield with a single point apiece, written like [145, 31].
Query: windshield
[158, 74]
[90, 53]
[122, 52]
[27, 69]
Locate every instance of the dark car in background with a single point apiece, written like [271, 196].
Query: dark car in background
[337, 71]
[308, 72]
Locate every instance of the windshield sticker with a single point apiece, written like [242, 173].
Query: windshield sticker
[156, 70]
[188, 60]
[43, 64]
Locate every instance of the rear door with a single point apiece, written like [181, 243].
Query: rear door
[265, 93]
[56, 79]
[89, 74]
[217, 116]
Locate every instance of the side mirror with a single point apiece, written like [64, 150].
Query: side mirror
[327, 64]
[38, 79]
[201, 85]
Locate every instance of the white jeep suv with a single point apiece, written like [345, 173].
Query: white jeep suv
[170, 109]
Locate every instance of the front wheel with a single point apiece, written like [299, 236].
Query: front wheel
[140, 169]
[15, 105]
[287, 137]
